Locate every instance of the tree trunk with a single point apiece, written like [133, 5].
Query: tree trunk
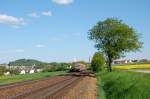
[109, 64]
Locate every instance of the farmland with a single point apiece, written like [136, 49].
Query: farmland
[123, 85]
[52, 88]
[136, 66]
[18, 78]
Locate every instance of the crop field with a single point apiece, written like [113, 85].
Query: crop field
[124, 85]
[71, 86]
[18, 78]
[137, 66]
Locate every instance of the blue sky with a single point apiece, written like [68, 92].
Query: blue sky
[56, 30]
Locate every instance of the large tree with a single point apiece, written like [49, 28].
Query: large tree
[114, 38]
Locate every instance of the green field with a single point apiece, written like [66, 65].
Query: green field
[124, 85]
[18, 78]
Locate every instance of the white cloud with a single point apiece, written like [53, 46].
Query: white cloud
[47, 13]
[40, 46]
[34, 14]
[11, 20]
[20, 50]
[63, 2]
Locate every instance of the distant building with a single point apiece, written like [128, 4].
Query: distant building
[122, 62]
[7, 73]
[31, 71]
[144, 60]
[22, 72]
[39, 70]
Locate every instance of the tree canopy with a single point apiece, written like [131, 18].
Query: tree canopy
[2, 70]
[114, 38]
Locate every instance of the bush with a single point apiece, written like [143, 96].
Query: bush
[98, 62]
[55, 67]
[14, 71]
[63, 66]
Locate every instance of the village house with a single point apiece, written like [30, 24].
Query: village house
[122, 62]
[7, 73]
[22, 72]
[31, 71]
[144, 60]
[39, 70]
[24, 69]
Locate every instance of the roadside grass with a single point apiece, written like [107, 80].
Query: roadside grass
[101, 92]
[18, 78]
[136, 66]
[124, 85]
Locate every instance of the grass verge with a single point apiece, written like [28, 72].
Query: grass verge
[124, 85]
[18, 78]
[101, 92]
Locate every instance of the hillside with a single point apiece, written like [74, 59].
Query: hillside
[25, 62]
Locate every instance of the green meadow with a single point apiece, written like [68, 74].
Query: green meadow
[123, 85]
